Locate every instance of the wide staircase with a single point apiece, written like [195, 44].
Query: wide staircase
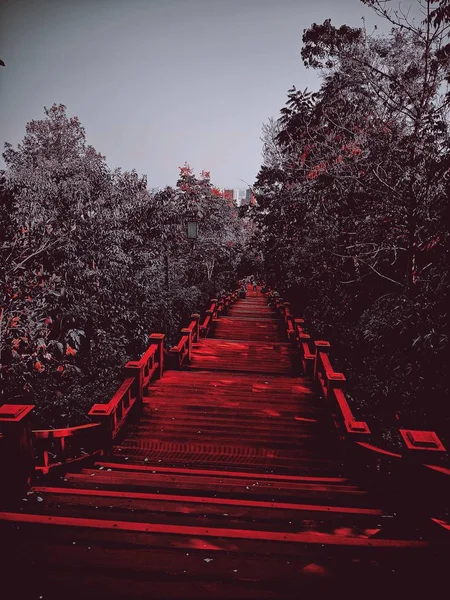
[231, 484]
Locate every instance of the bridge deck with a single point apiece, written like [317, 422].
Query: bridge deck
[231, 485]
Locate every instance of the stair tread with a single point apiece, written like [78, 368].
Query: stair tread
[220, 534]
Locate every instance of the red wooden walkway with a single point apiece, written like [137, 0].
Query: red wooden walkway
[231, 485]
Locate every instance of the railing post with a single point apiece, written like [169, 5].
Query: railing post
[292, 334]
[299, 326]
[188, 332]
[16, 449]
[158, 338]
[421, 445]
[175, 358]
[321, 346]
[214, 303]
[196, 317]
[334, 382]
[306, 356]
[227, 303]
[135, 370]
[210, 314]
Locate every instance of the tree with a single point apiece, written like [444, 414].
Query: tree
[352, 205]
[76, 243]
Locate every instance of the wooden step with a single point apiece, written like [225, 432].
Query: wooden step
[121, 561]
[235, 328]
[273, 382]
[147, 507]
[151, 534]
[247, 356]
[225, 452]
[276, 478]
[218, 427]
[289, 420]
[216, 397]
[312, 493]
[176, 457]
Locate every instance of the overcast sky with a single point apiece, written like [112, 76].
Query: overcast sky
[159, 82]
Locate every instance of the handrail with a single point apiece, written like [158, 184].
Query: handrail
[421, 464]
[48, 450]
[150, 365]
[55, 447]
[330, 383]
[211, 314]
[115, 412]
[181, 351]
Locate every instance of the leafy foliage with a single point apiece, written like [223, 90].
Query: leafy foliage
[352, 209]
[91, 264]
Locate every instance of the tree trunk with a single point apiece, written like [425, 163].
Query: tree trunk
[166, 268]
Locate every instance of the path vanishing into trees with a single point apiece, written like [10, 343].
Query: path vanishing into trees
[230, 483]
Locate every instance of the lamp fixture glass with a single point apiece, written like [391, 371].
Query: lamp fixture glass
[192, 230]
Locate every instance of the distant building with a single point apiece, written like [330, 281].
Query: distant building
[241, 196]
[249, 198]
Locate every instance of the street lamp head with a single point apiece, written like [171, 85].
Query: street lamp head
[192, 226]
[192, 230]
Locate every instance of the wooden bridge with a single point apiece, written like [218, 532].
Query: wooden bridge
[239, 472]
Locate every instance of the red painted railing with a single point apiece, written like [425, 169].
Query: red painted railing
[420, 468]
[419, 471]
[56, 447]
[211, 314]
[182, 352]
[315, 363]
[23, 451]
[16, 463]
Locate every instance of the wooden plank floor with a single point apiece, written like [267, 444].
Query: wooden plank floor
[231, 485]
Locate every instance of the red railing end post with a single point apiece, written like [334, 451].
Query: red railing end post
[158, 338]
[187, 331]
[421, 442]
[16, 449]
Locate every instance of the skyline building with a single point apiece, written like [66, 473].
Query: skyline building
[240, 196]
[249, 198]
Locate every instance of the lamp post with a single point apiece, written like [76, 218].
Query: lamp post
[191, 223]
